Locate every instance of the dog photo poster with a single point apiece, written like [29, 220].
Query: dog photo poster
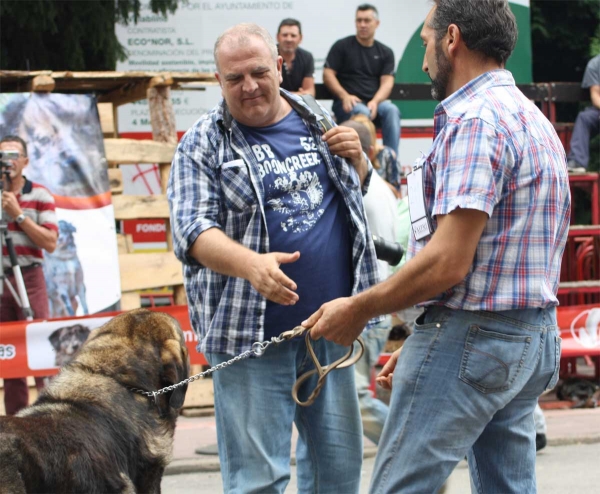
[52, 344]
[66, 155]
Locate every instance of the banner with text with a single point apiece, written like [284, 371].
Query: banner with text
[40, 348]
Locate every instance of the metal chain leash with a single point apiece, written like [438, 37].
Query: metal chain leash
[258, 348]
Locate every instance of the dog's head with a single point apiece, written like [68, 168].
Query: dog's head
[141, 349]
[65, 234]
[67, 341]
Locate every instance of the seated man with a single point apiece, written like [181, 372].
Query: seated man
[298, 64]
[359, 71]
[588, 120]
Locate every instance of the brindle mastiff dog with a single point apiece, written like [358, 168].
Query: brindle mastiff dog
[89, 433]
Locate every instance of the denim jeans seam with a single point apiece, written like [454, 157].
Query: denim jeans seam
[477, 474]
[225, 474]
[310, 447]
[385, 473]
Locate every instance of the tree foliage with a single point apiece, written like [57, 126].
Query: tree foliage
[565, 35]
[66, 34]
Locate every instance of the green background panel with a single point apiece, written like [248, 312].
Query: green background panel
[409, 68]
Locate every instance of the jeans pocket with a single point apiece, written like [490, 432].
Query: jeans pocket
[555, 374]
[492, 361]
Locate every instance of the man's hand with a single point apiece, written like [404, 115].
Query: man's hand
[372, 105]
[386, 376]
[11, 205]
[270, 281]
[344, 142]
[349, 101]
[340, 321]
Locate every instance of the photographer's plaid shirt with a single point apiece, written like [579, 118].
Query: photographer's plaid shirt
[494, 151]
[226, 312]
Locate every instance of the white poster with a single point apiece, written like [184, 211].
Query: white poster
[66, 155]
[185, 41]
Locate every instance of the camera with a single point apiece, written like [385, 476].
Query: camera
[9, 155]
[390, 252]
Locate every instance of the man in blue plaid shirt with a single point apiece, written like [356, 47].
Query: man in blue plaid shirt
[268, 221]
[496, 191]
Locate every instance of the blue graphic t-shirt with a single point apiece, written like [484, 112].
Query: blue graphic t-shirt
[304, 212]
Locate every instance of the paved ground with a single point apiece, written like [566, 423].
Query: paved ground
[560, 470]
[565, 426]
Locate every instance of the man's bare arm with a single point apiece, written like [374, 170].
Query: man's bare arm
[386, 84]
[443, 263]
[41, 236]
[308, 86]
[595, 96]
[218, 252]
[331, 81]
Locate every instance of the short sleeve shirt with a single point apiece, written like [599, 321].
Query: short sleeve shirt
[495, 152]
[359, 68]
[303, 66]
[591, 77]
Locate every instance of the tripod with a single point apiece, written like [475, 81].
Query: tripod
[21, 297]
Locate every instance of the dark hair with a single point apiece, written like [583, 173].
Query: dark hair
[290, 22]
[487, 26]
[13, 138]
[367, 6]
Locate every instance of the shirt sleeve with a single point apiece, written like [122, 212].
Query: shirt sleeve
[335, 57]
[309, 69]
[46, 210]
[591, 76]
[471, 168]
[192, 190]
[389, 66]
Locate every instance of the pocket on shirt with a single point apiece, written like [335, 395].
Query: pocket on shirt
[492, 361]
[236, 186]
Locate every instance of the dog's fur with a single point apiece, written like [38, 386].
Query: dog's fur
[88, 432]
[64, 274]
[66, 341]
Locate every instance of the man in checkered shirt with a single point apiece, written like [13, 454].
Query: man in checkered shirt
[496, 192]
[268, 220]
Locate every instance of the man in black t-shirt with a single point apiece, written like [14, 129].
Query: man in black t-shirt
[298, 64]
[359, 71]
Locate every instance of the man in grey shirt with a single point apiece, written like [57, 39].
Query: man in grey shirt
[588, 120]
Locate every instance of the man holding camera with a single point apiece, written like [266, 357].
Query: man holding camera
[28, 209]
[268, 221]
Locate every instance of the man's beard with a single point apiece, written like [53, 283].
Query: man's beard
[439, 85]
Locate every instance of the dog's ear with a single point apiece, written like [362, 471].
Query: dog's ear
[55, 338]
[175, 369]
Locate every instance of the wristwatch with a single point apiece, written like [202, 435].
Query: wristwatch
[20, 219]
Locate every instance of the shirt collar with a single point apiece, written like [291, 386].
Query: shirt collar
[454, 105]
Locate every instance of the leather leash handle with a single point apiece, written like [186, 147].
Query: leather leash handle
[346, 361]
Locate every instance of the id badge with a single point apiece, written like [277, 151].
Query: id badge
[419, 219]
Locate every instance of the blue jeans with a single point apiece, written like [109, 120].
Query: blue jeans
[587, 124]
[254, 412]
[467, 383]
[388, 116]
[373, 411]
